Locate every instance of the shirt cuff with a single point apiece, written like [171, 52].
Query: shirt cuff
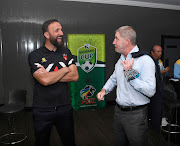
[107, 91]
[131, 74]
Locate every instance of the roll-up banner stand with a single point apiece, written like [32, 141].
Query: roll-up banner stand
[88, 51]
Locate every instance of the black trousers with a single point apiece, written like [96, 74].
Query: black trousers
[61, 117]
[156, 110]
[131, 127]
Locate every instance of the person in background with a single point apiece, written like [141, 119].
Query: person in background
[136, 83]
[52, 67]
[177, 69]
[177, 78]
[156, 52]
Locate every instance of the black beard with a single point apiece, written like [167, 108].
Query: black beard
[55, 42]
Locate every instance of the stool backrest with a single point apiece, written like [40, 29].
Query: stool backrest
[176, 85]
[17, 97]
[169, 95]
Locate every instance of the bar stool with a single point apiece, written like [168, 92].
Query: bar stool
[15, 106]
[172, 103]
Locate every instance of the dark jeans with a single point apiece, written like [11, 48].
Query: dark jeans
[61, 117]
[131, 127]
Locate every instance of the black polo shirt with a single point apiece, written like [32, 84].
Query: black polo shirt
[56, 94]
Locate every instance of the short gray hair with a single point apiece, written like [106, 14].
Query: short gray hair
[127, 32]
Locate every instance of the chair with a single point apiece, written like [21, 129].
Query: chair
[172, 103]
[15, 105]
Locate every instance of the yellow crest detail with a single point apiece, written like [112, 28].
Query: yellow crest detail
[44, 59]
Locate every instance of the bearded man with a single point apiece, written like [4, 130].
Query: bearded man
[52, 67]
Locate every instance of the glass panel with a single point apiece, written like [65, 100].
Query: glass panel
[1, 70]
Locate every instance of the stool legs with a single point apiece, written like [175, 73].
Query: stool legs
[14, 137]
[169, 127]
[172, 128]
[176, 126]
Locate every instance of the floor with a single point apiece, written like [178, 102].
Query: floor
[92, 127]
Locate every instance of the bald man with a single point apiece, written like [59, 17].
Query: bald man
[156, 52]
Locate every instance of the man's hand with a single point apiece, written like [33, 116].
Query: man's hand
[127, 65]
[167, 69]
[41, 69]
[100, 95]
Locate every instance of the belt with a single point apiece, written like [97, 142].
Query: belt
[130, 108]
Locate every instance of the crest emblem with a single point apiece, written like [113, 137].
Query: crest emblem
[87, 57]
[65, 56]
[43, 59]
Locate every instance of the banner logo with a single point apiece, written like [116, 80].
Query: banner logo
[87, 57]
[87, 92]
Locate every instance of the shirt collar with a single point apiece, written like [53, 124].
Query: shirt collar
[46, 50]
[129, 56]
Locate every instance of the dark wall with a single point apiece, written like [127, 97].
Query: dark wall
[21, 20]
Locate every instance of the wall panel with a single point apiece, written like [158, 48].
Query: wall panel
[21, 20]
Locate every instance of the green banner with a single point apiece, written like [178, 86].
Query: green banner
[89, 54]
